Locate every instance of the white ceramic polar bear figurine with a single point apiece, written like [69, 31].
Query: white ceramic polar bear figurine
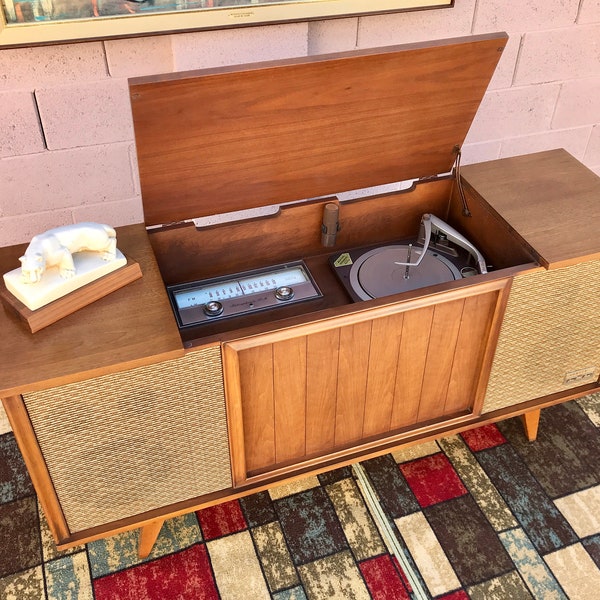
[56, 247]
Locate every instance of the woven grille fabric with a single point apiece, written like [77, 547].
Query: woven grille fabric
[550, 331]
[125, 443]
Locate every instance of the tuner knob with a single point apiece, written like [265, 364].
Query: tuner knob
[213, 308]
[285, 292]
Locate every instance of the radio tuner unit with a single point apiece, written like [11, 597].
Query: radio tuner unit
[234, 295]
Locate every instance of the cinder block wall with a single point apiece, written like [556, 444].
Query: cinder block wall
[66, 136]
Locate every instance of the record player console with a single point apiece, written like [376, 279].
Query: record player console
[404, 336]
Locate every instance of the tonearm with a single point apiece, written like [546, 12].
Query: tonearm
[431, 225]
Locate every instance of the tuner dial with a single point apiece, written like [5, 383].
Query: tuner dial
[285, 292]
[213, 308]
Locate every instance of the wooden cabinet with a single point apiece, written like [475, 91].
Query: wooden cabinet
[230, 407]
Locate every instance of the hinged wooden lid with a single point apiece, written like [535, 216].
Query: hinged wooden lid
[229, 139]
[549, 199]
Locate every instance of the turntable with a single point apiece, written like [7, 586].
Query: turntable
[439, 254]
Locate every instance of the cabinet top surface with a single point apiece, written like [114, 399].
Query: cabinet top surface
[549, 199]
[131, 326]
[235, 138]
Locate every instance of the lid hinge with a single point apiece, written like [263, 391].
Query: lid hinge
[465, 207]
[428, 178]
[160, 226]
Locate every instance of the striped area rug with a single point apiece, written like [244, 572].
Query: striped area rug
[482, 515]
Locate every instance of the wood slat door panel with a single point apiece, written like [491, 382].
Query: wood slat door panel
[321, 387]
[410, 369]
[443, 336]
[307, 393]
[289, 394]
[381, 380]
[468, 355]
[353, 363]
[256, 379]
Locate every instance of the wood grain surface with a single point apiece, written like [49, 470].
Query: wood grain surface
[130, 327]
[416, 365]
[225, 140]
[549, 199]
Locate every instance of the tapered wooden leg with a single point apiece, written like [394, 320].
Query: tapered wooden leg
[531, 420]
[148, 535]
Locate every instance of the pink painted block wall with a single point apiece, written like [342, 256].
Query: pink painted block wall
[66, 138]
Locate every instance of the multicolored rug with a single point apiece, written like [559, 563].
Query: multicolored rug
[483, 515]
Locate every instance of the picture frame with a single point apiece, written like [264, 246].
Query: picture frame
[36, 22]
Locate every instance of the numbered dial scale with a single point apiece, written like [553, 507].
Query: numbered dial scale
[234, 295]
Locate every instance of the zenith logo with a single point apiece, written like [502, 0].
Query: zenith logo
[581, 376]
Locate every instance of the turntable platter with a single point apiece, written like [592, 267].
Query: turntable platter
[375, 274]
[439, 254]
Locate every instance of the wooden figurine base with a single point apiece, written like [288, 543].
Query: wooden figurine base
[46, 315]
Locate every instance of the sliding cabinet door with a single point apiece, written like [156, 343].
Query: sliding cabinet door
[306, 394]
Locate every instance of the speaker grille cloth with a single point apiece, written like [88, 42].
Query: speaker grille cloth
[549, 333]
[125, 443]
